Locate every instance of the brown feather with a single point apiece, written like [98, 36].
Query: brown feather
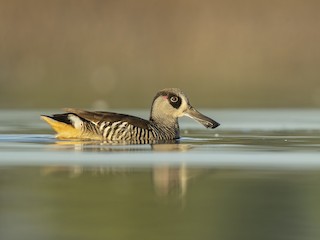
[111, 117]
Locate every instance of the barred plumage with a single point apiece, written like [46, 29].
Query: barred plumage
[167, 106]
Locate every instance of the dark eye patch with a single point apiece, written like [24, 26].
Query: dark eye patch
[175, 104]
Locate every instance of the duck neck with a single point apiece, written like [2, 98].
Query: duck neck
[166, 125]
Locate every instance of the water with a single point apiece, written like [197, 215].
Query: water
[257, 176]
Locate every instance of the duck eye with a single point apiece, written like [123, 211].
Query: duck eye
[174, 99]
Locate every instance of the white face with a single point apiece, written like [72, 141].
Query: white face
[169, 104]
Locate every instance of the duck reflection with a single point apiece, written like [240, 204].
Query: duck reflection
[167, 180]
[114, 146]
[170, 180]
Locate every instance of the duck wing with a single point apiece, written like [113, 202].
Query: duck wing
[97, 117]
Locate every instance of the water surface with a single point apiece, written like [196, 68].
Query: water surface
[257, 176]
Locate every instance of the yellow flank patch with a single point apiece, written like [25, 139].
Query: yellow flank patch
[63, 130]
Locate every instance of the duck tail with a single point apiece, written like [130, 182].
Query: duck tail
[62, 124]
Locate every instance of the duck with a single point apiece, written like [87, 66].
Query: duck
[167, 106]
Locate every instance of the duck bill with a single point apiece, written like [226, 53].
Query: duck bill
[204, 120]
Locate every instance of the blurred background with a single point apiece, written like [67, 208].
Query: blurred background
[118, 54]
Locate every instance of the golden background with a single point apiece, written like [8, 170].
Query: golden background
[118, 54]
